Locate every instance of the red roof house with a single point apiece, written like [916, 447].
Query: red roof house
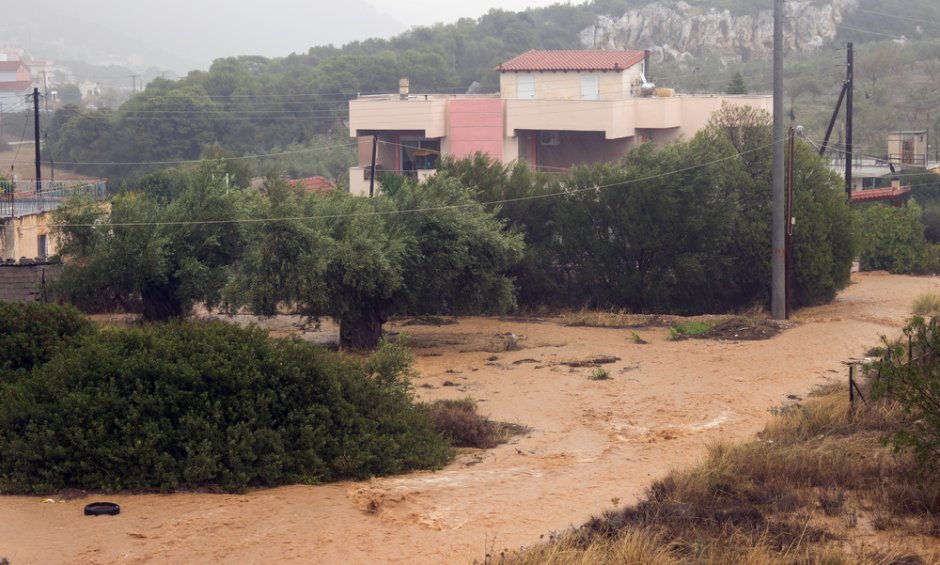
[316, 184]
[595, 60]
[895, 195]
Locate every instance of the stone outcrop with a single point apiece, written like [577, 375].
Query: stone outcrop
[677, 30]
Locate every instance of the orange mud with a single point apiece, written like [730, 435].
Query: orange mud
[592, 443]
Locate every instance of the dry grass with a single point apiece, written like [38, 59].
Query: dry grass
[459, 421]
[794, 495]
[927, 304]
[608, 319]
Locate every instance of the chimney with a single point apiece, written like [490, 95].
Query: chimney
[403, 87]
[646, 65]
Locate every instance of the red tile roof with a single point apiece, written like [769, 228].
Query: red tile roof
[16, 86]
[876, 194]
[313, 184]
[572, 61]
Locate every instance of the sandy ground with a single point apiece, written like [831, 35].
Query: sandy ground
[593, 444]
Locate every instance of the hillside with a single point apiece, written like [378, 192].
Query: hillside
[254, 105]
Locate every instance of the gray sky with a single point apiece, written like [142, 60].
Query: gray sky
[424, 12]
[188, 34]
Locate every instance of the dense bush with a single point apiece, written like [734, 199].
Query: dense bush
[165, 406]
[683, 228]
[892, 239]
[31, 333]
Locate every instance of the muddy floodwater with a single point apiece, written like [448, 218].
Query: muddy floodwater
[593, 444]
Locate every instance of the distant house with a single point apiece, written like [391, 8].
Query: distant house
[908, 148]
[895, 195]
[555, 109]
[908, 151]
[16, 82]
[318, 184]
[25, 213]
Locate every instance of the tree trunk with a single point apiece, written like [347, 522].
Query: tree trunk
[362, 330]
[160, 303]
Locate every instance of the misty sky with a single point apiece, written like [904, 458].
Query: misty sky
[420, 11]
[189, 34]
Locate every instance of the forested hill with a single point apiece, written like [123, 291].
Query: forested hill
[296, 105]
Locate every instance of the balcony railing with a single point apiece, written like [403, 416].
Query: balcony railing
[24, 197]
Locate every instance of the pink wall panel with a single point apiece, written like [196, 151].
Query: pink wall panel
[475, 125]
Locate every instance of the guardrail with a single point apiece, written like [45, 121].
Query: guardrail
[24, 197]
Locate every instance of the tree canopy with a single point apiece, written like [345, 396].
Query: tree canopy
[414, 249]
[168, 254]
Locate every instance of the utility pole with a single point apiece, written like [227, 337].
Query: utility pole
[45, 91]
[778, 257]
[36, 128]
[791, 155]
[849, 82]
[375, 143]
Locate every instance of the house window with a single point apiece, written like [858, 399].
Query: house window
[42, 248]
[590, 87]
[525, 87]
[419, 154]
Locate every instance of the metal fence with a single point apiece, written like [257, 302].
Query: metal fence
[24, 197]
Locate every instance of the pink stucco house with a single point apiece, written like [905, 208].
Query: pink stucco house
[555, 109]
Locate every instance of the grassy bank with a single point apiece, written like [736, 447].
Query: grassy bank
[818, 485]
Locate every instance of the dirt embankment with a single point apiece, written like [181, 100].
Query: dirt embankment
[594, 443]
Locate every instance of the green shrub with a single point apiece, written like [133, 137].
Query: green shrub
[916, 386]
[600, 374]
[892, 239]
[31, 333]
[163, 406]
[689, 328]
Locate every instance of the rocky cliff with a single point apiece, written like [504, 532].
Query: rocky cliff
[676, 30]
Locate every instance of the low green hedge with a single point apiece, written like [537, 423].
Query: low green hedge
[165, 406]
[31, 333]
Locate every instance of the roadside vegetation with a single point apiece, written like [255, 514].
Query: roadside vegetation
[826, 481]
[209, 405]
[618, 237]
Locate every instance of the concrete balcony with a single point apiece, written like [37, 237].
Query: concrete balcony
[383, 113]
[658, 113]
[613, 117]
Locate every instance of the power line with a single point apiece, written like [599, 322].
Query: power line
[20, 144]
[374, 213]
[897, 17]
[188, 161]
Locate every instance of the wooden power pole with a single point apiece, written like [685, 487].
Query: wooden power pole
[36, 128]
[778, 256]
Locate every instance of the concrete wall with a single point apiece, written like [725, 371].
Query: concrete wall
[475, 125]
[567, 85]
[21, 283]
[698, 110]
[19, 236]
[429, 117]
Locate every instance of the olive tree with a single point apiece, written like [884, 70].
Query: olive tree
[413, 249]
[166, 255]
